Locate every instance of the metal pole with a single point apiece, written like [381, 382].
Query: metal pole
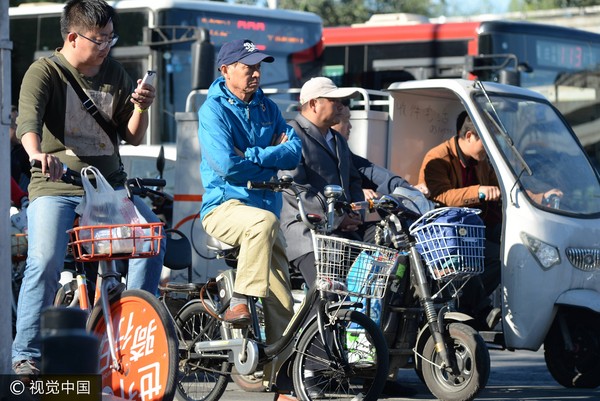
[5, 261]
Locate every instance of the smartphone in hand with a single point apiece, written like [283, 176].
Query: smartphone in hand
[149, 78]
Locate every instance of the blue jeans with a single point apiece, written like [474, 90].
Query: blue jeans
[48, 219]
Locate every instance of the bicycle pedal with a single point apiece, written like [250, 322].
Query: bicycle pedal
[238, 325]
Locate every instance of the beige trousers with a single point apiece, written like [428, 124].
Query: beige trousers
[262, 269]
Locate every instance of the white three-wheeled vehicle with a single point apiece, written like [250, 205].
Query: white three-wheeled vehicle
[550, 250]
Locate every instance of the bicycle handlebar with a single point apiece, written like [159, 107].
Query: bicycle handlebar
[135, 185]
[385, 202]
[285, 182]
[311, 221]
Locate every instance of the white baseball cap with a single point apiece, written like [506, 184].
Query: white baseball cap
[323, 87]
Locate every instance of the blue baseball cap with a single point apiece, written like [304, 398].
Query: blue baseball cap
[243, 51]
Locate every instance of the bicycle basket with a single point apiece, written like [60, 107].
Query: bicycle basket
[451, 240]
[119, 241]
[355, 268]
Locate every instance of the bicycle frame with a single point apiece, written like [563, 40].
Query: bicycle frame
[248, 359]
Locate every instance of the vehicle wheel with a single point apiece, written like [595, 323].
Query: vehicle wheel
[250, 383]
[146, 344]
[471, 365]
[578, 368]
[200, 378]
[357, 368]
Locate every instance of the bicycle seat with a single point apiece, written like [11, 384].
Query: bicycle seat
[215, 245]
[182, 287]
[178, 255]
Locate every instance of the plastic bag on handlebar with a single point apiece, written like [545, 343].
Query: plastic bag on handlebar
[414, 200]
[104, 206]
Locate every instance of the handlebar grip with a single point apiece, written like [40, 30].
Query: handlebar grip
[277, 185]
[148, 182]
[69, 176]
[261, 185]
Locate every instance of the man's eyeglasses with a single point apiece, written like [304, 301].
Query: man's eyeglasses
[102, 45]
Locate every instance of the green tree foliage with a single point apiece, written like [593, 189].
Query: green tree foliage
[532, 5]
[346, 12]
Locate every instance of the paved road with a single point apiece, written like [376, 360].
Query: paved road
[520, 375]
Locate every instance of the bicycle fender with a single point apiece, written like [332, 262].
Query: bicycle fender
[186, 306]
[456, 317]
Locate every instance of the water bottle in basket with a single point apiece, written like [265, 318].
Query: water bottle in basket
[113, 238]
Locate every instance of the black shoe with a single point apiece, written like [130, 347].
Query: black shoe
[493, 318]
[487, 319]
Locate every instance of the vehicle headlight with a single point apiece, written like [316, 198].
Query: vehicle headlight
[546, 254]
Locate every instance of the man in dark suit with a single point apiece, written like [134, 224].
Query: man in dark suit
[325, 161]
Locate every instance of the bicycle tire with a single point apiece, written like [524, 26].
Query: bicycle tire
[200, 379]
[146, 344]
[364, 350]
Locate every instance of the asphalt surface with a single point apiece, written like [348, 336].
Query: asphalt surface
[518, 376]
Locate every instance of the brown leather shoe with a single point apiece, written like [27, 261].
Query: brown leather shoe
[239, 315]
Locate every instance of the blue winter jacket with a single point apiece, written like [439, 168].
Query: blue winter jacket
[226, 123]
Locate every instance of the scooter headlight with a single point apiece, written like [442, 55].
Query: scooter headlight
[546, 254]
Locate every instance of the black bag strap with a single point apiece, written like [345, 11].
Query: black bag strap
[88, 103]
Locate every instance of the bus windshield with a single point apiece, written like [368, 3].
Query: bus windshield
[549, 149]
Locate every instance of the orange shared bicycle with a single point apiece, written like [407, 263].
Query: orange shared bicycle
[138, 352]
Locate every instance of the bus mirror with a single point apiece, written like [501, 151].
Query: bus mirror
[510, 77]
[524, 67]
[203, 61]
[476, 64]
[498, 63]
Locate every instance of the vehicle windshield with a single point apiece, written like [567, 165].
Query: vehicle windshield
[536, 135]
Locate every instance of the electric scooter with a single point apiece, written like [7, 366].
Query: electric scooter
[550, 246]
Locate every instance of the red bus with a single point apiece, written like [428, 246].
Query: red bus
[561, 63]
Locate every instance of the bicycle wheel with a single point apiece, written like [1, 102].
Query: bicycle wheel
[146, 347]
[357, 367]
[200, 379]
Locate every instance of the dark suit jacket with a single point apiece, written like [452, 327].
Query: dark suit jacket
[318, 168]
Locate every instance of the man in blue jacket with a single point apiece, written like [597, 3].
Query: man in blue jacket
[243, 137]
